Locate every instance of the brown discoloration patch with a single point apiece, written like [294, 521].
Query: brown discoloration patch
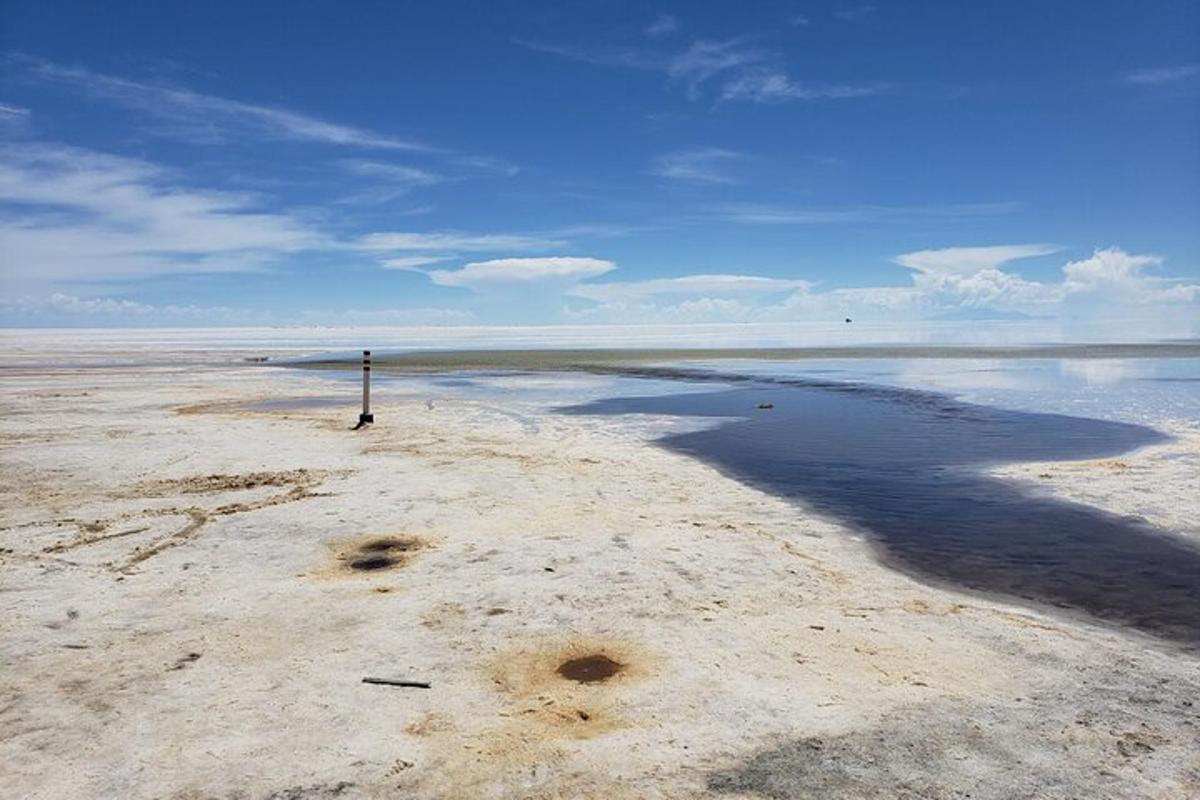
[214, 407]
[430, 724]
[374, 554]
[210, 484]
[566, 690]
[301, 483]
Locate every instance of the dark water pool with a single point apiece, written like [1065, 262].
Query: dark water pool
[906, 468]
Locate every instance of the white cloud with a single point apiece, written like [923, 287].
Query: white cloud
[442, 241]
[692, 310]
[767, 215]
[768, 85]
[14, 119]
[629, 57]
[85, 215]
[970, 260]
[704, 60]
[967, 281]
[385, 181]
[396, 174]
[1111, 266]
[412, 263]
[743, 71]
[65, 306]
[568, 269]
[207, 117]
[665, 25]
[854, 13]
[1112, 270]
[703, 284]
[1158, 76]
[890, 298]
[758, 214]
[970, 277]
[700, 165]
[391, 316]
[82, 216]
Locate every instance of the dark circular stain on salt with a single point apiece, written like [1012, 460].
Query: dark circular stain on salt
[372, 563]
[589, 669]
[387, 546]
[379, 553]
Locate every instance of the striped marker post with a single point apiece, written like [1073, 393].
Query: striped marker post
[366, 416]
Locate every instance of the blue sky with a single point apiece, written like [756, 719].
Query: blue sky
[601, 162]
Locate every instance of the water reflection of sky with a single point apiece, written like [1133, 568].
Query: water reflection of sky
[1142, 390]
[1145, 390]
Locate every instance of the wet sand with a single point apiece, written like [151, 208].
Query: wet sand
[193, 593]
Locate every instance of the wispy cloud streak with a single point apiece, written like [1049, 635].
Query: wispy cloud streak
[1159, 76]
[738, 68]
[757, 214]
[205, 116]
[699, 165]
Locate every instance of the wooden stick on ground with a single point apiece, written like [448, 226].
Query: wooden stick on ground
[405, 684]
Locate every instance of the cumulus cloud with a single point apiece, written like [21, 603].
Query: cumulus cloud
[972, 277]
[956, 282]
[1114, 270]
[509, 271]
[1111, 266]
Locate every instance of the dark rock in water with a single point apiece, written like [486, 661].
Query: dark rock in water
[766, 406]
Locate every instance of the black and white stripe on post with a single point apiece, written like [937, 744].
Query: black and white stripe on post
[366, 416]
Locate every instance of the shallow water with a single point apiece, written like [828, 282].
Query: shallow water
[906, 467]
[899, 448]
[1143, 390]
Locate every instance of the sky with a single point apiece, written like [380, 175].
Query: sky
[554, 163]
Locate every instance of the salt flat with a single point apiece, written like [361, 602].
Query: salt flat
[183, 616]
